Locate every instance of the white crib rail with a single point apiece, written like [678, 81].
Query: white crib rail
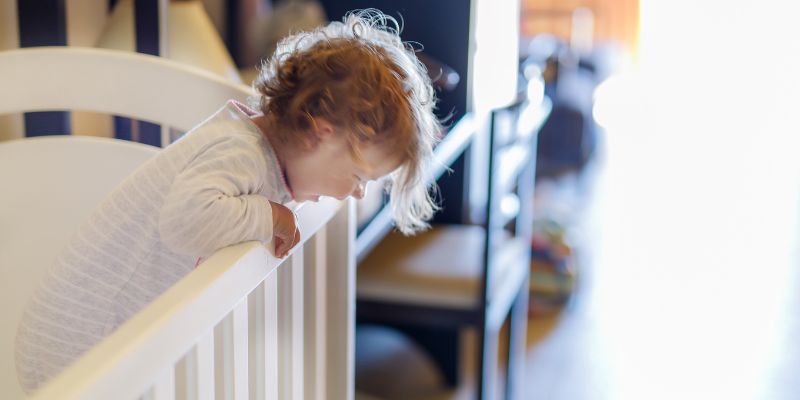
[243, 325]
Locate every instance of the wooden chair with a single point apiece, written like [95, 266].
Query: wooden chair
[51, 184]
[458, 276]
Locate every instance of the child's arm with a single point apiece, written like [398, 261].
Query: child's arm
[214, 203]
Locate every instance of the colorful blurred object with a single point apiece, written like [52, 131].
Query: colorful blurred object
[553, 271]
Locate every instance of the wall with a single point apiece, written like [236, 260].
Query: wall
[616, 20]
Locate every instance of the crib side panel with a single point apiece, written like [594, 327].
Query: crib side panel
[239, 328]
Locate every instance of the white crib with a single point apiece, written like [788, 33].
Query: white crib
[243, 325]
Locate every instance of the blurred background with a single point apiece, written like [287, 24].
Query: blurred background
[665, 236]
[686, 244]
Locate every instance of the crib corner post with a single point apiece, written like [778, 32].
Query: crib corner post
[341, 235]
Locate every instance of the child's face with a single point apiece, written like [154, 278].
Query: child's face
[330, 170]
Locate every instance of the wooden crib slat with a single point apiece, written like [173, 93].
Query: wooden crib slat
[255, 330]
[231, 355]
[203, 368]
[284, 332]
[290, 325]
[223, 359]
[240, 339]
[195, 380]
[340, 303]
[298, 331]
[164, 388]
[182, 390]
[315, 324]
[272, 337]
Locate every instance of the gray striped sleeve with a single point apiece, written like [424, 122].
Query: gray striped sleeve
[215, 202]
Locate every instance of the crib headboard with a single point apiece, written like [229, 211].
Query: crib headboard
[51, 184]
[110, 81]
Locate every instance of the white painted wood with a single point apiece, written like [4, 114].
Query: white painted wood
[89, 79]
[128, 362]
[290, 327]
[204, 367]
[34, 228]
[315, 297]
[231, 340]
[166, 136]
[284, 333]
[256, 342]
[223, 359]
[240, 344]
[163, 27]
[194, 375]
[164, 387]
[166, 329]
[298, 334]
[182, 390]
[264, 339]
[272, 337]
[341, 303]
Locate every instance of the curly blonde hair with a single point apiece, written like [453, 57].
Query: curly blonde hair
[360, 76]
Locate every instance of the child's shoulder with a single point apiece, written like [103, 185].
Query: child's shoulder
[230, 120]
[228, 130]
[234, 115]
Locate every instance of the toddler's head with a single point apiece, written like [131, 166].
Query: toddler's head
[355, 83]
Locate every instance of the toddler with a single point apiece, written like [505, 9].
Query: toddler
[336, 107]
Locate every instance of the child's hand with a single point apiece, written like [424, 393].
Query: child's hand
[285, 234]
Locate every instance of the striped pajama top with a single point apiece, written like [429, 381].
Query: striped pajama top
[208, 190]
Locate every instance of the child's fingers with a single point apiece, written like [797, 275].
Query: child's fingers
[296, 238]
[285, 232]
[288, 243]
[278, 246]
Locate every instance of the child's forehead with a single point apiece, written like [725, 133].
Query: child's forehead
[377, 161]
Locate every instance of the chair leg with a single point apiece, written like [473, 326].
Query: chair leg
[441, 344]
[517, 336]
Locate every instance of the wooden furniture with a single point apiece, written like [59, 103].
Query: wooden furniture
[241, 323]
[457, 276]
